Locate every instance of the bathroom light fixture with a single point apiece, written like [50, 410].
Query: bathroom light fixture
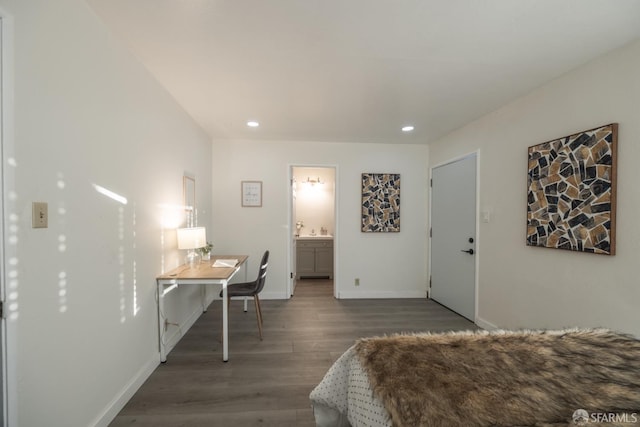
[407, 128]
[314, 181]
[253, 124]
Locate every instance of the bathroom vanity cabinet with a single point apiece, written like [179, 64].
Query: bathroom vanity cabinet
[314, 257]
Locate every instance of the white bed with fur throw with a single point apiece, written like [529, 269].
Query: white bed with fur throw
[480, 378]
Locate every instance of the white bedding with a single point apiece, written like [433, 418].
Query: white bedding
[344, 397]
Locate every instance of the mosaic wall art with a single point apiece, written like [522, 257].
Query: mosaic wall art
[572, 192]
[380, 202]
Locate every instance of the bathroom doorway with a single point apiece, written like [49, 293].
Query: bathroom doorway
[313, 222]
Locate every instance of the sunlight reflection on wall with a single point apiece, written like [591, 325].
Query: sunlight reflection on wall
[62, 243]
[63, 303]
[12, 289]
[62, 247]
[134, 277]
[12, 273]
[121, 259]
[122, 277]
[11, 248]
[62, 291]
[171, 218]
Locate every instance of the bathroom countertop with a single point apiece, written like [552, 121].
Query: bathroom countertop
[316, 237]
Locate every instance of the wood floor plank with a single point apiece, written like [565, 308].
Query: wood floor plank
[268, 382]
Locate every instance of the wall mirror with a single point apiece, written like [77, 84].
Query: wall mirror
[189, 200]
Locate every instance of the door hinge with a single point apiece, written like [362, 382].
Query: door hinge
[430, 232]
[290, 275]
[431, 182]
[1, 309]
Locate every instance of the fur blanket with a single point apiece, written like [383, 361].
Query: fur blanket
[504, 378]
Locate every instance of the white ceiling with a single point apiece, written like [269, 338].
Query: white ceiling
[358, 70]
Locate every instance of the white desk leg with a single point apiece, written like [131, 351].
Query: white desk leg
[225, 323]
[163, 355]
[245, 279]
[203, 297]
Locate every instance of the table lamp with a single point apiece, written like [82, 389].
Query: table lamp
[191, 239]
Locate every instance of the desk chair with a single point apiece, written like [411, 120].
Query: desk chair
[251, 289]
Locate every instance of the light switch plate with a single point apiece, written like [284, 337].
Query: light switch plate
[40, 215]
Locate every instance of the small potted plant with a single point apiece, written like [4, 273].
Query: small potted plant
[205, 251]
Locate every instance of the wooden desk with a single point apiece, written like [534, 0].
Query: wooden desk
[204, 274]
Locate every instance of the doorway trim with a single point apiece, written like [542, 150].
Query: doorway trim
[478, 247]
[291, 226]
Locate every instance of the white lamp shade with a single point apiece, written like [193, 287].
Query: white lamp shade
[192, 238]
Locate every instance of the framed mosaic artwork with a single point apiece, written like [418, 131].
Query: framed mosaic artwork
[380, 202]
[571, 194]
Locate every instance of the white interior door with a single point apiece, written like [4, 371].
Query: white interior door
[453, 235]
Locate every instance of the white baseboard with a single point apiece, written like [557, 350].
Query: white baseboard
[381, 294]
[273, 295]
[351, 295]
[485, 324]
[127, 392]
[265, 296]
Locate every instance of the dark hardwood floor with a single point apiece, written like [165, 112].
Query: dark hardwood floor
[268, 382]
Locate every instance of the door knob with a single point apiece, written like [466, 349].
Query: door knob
[470, 251]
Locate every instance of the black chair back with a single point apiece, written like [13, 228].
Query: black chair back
[262, 273]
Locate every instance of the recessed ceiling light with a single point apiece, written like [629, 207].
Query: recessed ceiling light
[407, 128]
[253, 124]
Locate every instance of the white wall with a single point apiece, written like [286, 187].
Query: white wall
[82, 312]
[530, 287]
[387, 264]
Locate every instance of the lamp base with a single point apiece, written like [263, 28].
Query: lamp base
[193, 259]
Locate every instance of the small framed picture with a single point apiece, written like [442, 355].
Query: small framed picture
[251, 194]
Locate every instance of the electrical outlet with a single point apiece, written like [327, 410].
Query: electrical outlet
[39, 215]
[357, 283]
